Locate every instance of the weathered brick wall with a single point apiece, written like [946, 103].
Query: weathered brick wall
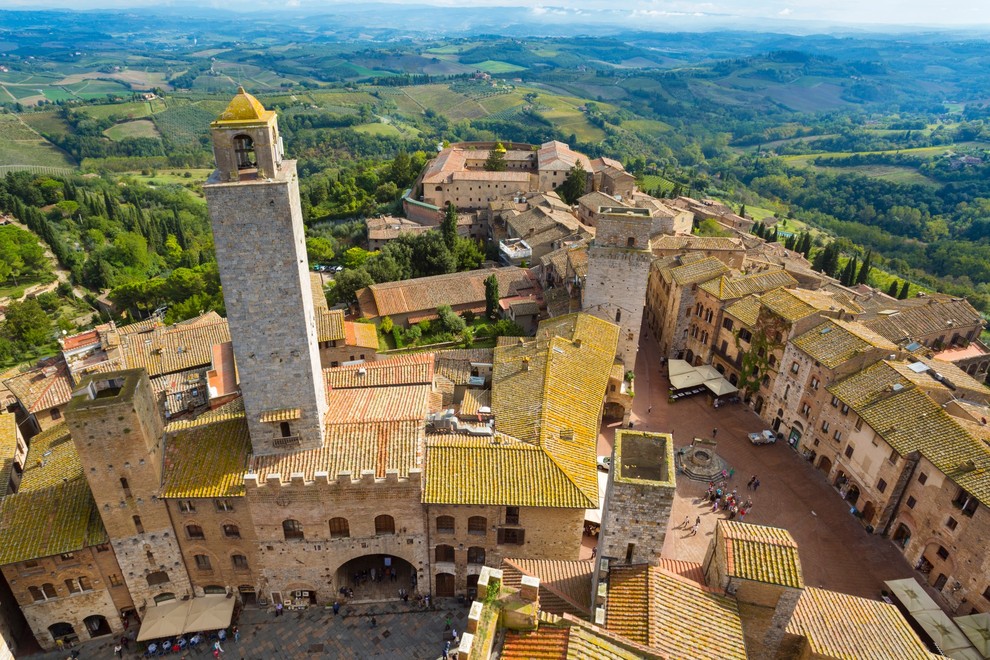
[313, 564]
[261, 252]
[215, 544]
[635, 514]
[616, 292]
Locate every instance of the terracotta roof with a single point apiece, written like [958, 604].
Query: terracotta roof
[596, 199]
[669, 242]
[842, 626]
[206, 459]
[910, 421]
[730, 287]
[673, 615]
[474, 400]
[427, 293]
[165, 349]
[87, 338]
[361, 335]
[449, 160]
[745, 309]
[827, 300]
[935, 315]
[539, 226]
[697, 271]
[42, 388]
[686, 569]
[375, 404]
[760, 553]
[352, 447]
[455, 364]
[565, 586]
[8, 449]
[559, 156]
[545, 643]
[330, 325]
[316, 289]
[833, 342]
[787, 305]
[53, 511]
[410, 369]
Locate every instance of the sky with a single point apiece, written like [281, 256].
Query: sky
[907, 13]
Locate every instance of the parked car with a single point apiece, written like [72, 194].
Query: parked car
[604, 463]
[766, 437]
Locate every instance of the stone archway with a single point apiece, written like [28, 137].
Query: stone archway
[445, 585]
[614, 410]
[869, 511]
[376, 577]
[97, 625]
[825, 465]
[902, 536]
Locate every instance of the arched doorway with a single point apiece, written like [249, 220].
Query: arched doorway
[472, 587]
[614, 410]
[869, 511]
[852, 494]
[825, 465]
[63, 631]
[902, 536]
[248, 594]
[445, 585]
[376, 577]
[97, 625]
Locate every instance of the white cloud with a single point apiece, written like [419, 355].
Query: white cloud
[786, 11]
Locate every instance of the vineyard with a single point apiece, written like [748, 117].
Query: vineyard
[184, 125]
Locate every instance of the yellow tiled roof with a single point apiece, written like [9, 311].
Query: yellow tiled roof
[416, 368]
[361, 335]
[427, 293]
[455, 364]
[166, 349]
[934, 315]
[244, 108]
[673, 615]
[206, 459]
[696, 271]
[745, 309]
[827, 300]
[785, 304]
[462, 470]
[53, 511]
[833, 342]
[475, 399]
[280, 415]
[352, 447]
[729, 287]
[842, 626]
[669, 242]
[330, 325]
[8, 449]
[761, 553]
[42, 388]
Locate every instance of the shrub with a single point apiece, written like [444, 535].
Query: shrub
[387, 324]
[448, 321]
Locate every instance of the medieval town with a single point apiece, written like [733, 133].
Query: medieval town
[701, 448]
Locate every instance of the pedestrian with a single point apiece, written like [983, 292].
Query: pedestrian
[118, 650]
[649, 410]
[454, 636]
[124, 641]
[749, 484]
[446, 623]
[336, 608]
[374, 622]
[217, 649]
[446, 651]
[687, 521]
[756, 484]
[714, 432]
[694, 530]
[237, 634]
[278, 609]
[697, 521]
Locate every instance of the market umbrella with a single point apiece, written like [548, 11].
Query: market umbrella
[676, 367]
[211, 612]
[911, 595]
[164, 620]
[685, 380]
[977, 628]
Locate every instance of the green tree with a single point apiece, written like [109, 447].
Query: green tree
[864, 270]
[892, 289]
[710, 227]
[448, 227]
[491, 296]
[431, 255]
[468, 254]
[386, 325]
[905, 290]
[27, 325]
[319, 250]
[355, 257]
[574, 185]
[496, 159]
[347, 283]
[449, 321]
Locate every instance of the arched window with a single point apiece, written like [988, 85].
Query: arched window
[292, 529]
[445, 524]
[240, 562]
[476, 555]
[232, 531]
[156, 578]
[384, 524]
[49, 590]
[36, 594]
[244, 150]
[214, 589]
[339, 528]
[195, 532]
[444, 553]
[477, 525]
[161, 598]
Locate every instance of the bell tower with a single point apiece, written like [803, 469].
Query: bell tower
[260, 242]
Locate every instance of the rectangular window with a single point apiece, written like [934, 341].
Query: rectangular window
[837, 435]
[805, 409]
[115, 580]
[893, 456]
[67, 556]
[72, 586]
[103, 547]
[922, 478]
[951, 523]
[911, 502]
[859, 423]
[825, 427]
[511, 515]
[815, 383]
[942, 553]
[835, 402]
[187, 506]
[845, 409]
[849, 451]
[795, 368]
[223, 505]
[203, 562]
[511, 536]
[881, 485]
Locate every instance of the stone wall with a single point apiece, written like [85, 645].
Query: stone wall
[312, 563]
[261, 251]
[615, 291]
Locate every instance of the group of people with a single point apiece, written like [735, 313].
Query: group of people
[730, 502]
[181, 643]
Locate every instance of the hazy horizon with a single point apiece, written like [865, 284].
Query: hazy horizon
[671, 14]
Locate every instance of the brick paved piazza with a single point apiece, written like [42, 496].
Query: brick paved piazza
[836, 552]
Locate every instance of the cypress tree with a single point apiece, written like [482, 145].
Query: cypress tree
[892, 289]
[864, 270]
[789, 242]
[905, 290]
[805, 247]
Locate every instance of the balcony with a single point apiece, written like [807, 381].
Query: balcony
[286, 441]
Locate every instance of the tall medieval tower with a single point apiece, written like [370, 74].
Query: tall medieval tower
[619, 260]
[117, 431]
[260, 242]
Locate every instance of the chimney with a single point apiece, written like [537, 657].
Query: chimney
[525, 364]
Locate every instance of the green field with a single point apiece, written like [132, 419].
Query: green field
[184, 124]
[33, 153]
[497, 66]
[140, 128]
[131, 110]
[646, 126]
[652, 182]
[11, 128]
[46, 122]
[378, 129]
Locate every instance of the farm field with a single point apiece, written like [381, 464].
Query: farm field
[378, 129]
[140, 128]
[131, 110]
[497, 66]
[33, 153]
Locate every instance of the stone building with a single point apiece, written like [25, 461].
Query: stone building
[42, 394]
[13, 454]
[671, 288]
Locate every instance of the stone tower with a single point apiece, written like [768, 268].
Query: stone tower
[619, 261]
[638, 500]
[253, 197]
[117, 431]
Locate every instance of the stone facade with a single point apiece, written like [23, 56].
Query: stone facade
[117, 432]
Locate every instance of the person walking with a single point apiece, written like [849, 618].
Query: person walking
[749, 484]
[687, 521]
[446, 651]
[447, 622]
[714, 432]
[336, 608]
[237, 634]
[217, 649]
[118, 650]
[694, 530]
[756, 484]
[278, 609]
